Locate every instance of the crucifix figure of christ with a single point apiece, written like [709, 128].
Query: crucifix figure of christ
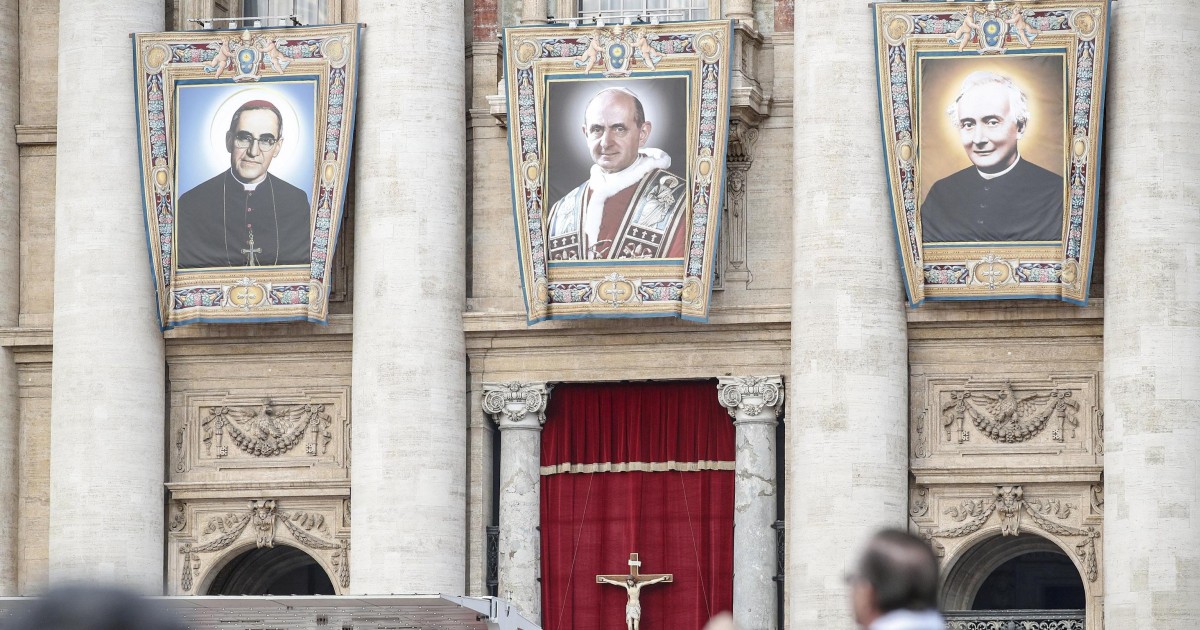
[633, 582]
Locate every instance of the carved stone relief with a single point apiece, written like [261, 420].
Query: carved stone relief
[951, 517]
[733, 257]
[266, 430]
[976, 416]
[202, 535]
[221, 430]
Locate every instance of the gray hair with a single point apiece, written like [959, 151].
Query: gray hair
[1018, 103]
[639, 111]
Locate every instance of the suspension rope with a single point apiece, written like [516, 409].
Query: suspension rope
[575, 552]
[695, 547]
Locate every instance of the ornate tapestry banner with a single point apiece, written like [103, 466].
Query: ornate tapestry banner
[244, 141]
[617, 139]
[992, 115]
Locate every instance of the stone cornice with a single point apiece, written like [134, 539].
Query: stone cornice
[31, 135]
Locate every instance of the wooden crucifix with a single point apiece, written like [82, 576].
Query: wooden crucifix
[633, 582]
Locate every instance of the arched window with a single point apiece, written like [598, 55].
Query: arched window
[1016, 579]
[278, 570]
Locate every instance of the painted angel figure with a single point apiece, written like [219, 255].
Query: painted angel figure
[591, 56]
[275, 57]
[965, 33]
[1024, 32]
[219, 63]
[650, 57]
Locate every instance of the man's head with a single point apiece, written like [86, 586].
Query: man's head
[89, 607]
[991, 114]
[254, 138]
[897, 571]
[615, 127]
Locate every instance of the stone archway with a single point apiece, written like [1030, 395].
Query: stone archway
[1023, 576]
[278, 570]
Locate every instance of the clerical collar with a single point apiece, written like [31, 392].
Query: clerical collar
[246, 186]
[1001, 173]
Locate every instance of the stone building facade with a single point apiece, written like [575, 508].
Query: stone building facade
[117, 458]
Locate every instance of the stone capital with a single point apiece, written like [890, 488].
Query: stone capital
[516, 405]
[752, 399]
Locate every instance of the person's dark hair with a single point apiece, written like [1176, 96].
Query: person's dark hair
[902, 569]
[83, 607]
[256, 104]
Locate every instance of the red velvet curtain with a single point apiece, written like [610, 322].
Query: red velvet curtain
[679, 520]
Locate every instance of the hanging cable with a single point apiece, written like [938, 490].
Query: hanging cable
[575, 552]
[695, 547]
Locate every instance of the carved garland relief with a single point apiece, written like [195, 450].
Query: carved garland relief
[202, 537]
[954, 415]
[947, 517]
[219, 430]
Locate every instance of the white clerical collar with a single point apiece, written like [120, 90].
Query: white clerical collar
[604, 185]
[247, 186]
[1001, 173]
[647, 160]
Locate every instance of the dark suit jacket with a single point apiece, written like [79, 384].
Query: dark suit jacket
[1024, 204]
[214, 220]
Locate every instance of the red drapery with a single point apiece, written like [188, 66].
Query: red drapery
[671, 502]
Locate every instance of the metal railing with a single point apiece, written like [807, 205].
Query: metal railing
[1015, 620]
[493, 559]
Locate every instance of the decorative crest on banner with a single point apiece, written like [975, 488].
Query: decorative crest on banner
[244, 143]
[618, 139]
[992, 116]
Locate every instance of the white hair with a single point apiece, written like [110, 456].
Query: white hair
[1018, 103]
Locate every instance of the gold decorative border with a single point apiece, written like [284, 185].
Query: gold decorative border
[245, 56]
[996, 270]
[623, 287]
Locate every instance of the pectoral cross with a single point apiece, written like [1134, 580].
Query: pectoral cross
[251, 258]
[633, 582]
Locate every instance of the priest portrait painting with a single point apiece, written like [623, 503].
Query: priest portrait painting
[1005, 125]
[617, 154]
[245, 176]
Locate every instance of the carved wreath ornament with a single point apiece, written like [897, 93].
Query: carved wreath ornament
[1005, 417]
[1010, 502]
[263, 517]
[267, 431]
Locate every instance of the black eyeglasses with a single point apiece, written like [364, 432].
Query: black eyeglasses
[243, 139]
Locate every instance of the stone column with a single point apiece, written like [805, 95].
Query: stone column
[533, 11]
[847, 422]
[1152, 320]
[10, 293]
[108, 403]
[755, 403]
[409, 408]
[742, 10]
[519, 410]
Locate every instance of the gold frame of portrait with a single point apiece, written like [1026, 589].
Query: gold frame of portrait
[909, 35]
[253, 58]
[535, 58]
